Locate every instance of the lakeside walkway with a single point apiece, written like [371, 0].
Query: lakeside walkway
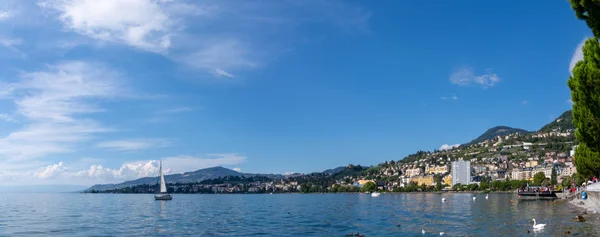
[592, 204]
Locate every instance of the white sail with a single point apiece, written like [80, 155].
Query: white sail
[163, 185]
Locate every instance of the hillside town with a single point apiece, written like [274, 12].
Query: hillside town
[501, 154]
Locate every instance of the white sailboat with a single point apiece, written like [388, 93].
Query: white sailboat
[162, 195]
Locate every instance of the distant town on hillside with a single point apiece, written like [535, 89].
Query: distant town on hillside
[501, 154]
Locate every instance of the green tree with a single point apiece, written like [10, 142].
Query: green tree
[369, 187]
[538, 178]
[589, 11]
[305, 188]
[457, 187]
[585, 92]
[335, 188]
[586, 161]
[438, 182]
[553, 179]
[484, 186]
[472, 187]
[566, 182]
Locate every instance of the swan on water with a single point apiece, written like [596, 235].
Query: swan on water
[422, 231]
[537, 226]
[486, 196]
[443, 199]
[474, 198]
[441, 233]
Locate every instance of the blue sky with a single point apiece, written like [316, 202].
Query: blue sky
[96, 91]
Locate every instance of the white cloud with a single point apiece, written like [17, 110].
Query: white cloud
[448, 147]
[444, 98]
[465, 76]
[52, 103]
[223, 73]
[133, 144]
[139, 23]
[237, 169]
[52, 171]
[577, 55]
[4, 15]
[454, 97]
[570, 101]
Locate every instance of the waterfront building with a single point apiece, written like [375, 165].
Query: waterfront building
[461, 172]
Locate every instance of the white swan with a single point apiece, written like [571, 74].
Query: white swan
[486, 196]
[474, 198]
[443, 199]
[441, 233]
[422, 231]
[375, 194]
[537, 226]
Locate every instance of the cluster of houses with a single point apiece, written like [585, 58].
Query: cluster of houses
[252, 187]
[500, 166]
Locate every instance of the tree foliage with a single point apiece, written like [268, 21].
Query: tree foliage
[589, 11]
[369, 187]
[553, 178]
[538, 178]
[585, 92]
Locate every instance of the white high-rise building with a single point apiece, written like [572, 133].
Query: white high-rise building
[461, 172]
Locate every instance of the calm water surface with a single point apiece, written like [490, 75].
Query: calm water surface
[284, 215]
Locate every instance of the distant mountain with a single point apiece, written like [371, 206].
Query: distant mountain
[562, 123]
[334, 170]
[496, 131]
[188, 177]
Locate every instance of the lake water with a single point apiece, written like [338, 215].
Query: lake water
[284, 215]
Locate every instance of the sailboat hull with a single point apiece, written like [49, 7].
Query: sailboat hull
[163, 197]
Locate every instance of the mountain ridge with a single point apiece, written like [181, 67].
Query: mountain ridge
[495, 132]
[186, 177]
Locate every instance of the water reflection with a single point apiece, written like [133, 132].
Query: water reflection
[162, 212]
[287, 215]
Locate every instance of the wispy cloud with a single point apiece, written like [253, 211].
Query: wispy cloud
[133, 144]
[237, 169]
[176, 110]
[11, 44]
[8, 118]
[453, 97]
[465, 77]
[223, 73]
[52, 103]
[524, 102]
[577, 55]
[570, 101]
[248, 34]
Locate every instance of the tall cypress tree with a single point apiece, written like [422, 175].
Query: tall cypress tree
[585, 92]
